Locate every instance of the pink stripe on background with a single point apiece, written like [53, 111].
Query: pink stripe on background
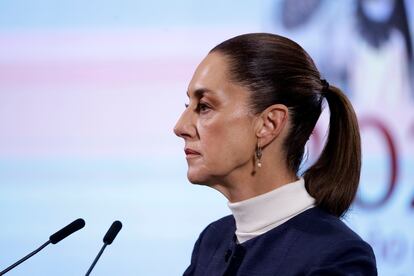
[95, 72]
[110, 57]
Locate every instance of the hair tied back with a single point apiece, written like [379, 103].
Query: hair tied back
[325, 86]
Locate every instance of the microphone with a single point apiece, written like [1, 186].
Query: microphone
[67, 230]
[53, 239]
[108, 239]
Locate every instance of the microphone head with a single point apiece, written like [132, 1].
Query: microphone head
[67, 230]
[112, 232]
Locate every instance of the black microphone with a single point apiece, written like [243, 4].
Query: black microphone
[67, 230]
[108, 239]
[55, 238]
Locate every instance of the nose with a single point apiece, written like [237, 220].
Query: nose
[184, 127]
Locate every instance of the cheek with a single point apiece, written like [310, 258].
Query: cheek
[227, 143]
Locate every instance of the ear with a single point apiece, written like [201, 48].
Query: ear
[272, 123]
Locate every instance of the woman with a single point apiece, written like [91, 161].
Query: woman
[253, 103]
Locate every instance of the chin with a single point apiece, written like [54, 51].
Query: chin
[197, 178]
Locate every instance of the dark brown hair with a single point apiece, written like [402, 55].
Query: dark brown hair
[277, 70]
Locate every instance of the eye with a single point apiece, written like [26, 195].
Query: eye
[203, 107]
[186, 105]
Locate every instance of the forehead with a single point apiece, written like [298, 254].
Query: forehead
[211, 74]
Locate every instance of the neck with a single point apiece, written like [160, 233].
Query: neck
[262, 213]
[242, 185]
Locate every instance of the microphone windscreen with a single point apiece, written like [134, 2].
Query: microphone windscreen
[67, 230]
[112, 232]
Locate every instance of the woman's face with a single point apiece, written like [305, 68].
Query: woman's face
[217, 125]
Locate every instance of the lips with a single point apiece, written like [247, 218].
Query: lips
[190, 152]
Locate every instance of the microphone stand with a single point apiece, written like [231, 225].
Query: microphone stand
[108, 239]
[25, 258]
[53, 239]
[96, 259]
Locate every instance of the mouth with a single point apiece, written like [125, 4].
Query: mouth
[190, 153]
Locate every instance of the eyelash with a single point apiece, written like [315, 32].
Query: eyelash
[201, 107]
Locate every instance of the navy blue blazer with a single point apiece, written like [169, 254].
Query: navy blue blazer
[311, 243]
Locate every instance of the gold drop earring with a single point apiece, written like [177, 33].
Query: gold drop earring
[258, 155]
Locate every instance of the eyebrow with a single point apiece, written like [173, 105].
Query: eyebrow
[199, 93]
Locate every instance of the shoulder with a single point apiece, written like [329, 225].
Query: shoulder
[215, 237]
[329, 245]
[226, 223]
[217, 230]
[321, 226]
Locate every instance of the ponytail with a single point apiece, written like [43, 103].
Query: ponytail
[333, 180]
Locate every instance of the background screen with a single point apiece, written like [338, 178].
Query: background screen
[90, 92]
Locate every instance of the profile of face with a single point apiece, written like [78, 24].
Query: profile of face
[217, 125]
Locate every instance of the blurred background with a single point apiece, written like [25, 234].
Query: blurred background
[90, 92]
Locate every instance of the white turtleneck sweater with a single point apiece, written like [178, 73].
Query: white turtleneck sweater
[257, 215]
